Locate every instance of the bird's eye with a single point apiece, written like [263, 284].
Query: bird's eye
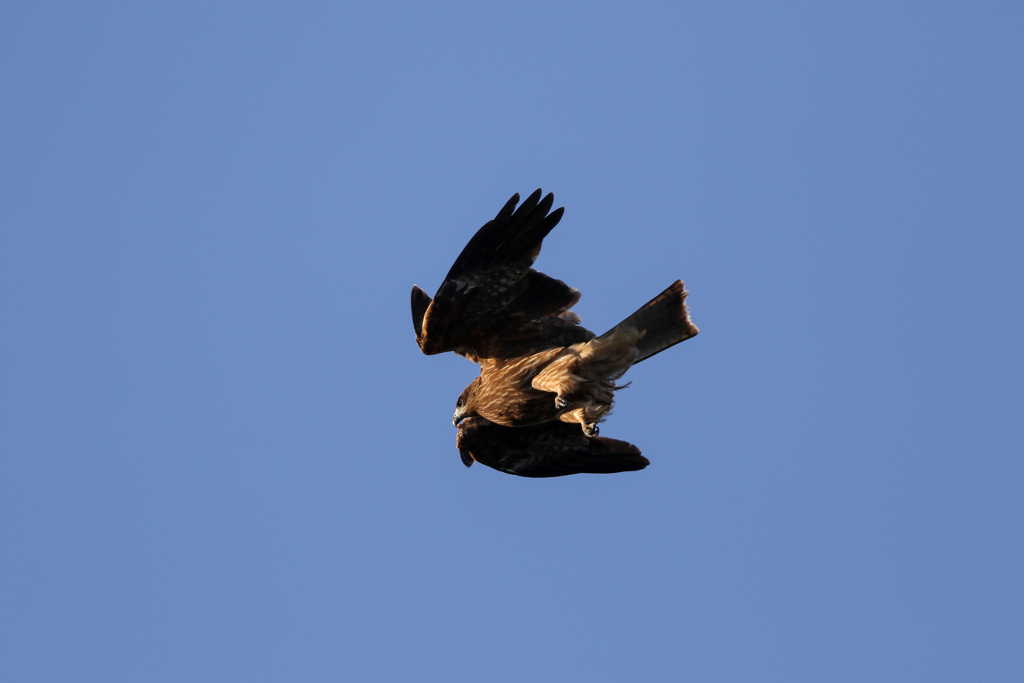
[458, 404]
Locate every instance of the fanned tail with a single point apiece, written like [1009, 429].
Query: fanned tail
[662, 322]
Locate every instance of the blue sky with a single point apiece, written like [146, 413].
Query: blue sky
[222, 456]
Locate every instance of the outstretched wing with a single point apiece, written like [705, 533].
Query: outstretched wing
[492, 304]
[553, 449]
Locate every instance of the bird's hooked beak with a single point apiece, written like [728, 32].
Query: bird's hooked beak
[458, 418]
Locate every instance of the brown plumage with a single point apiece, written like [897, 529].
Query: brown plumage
[545, 381]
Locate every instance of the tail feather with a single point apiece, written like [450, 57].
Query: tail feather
[663, 322]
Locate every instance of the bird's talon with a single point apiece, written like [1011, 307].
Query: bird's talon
[561, 402]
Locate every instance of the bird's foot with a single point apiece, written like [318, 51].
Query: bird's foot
[591, 429]
[561, 402]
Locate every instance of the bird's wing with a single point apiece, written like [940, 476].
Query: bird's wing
[553, 449]
[492, 304]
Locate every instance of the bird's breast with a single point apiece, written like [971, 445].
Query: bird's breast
[506, 396]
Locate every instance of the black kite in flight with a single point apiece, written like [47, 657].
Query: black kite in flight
[545, 381]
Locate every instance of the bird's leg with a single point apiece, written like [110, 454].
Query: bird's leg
[590, 416]
[571, 400]
[586, 418]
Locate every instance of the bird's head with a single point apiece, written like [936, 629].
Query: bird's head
[466, 405]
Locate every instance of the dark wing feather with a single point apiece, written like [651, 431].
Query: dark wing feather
[420, 303]
[492, 304]
[553, 449]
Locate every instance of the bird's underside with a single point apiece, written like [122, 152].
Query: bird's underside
[545, 381]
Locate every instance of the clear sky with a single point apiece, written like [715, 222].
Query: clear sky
[223, 457]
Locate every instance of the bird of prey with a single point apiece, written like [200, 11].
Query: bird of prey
[545, 381]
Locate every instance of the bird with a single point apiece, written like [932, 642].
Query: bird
[546, 382]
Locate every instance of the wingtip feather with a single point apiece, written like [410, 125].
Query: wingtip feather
[420, 303]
